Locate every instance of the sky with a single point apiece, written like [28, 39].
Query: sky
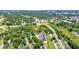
[39, 5]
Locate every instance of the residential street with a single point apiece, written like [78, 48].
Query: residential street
[59, 41]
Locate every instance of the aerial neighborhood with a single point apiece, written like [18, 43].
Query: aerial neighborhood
[39, 29]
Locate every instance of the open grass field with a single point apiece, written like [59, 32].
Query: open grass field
[49, 43]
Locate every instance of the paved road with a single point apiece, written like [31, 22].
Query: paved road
[59, 41]
[27, 41]
[33, 42]
[67, 45]
[55, 45]
[15, 26]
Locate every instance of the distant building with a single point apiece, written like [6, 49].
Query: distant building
[76, 18]
[66, 21]
[42, 36]
[40, 22]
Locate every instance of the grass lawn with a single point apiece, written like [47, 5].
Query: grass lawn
[49, 43]
[70, 35]
[35, 27]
